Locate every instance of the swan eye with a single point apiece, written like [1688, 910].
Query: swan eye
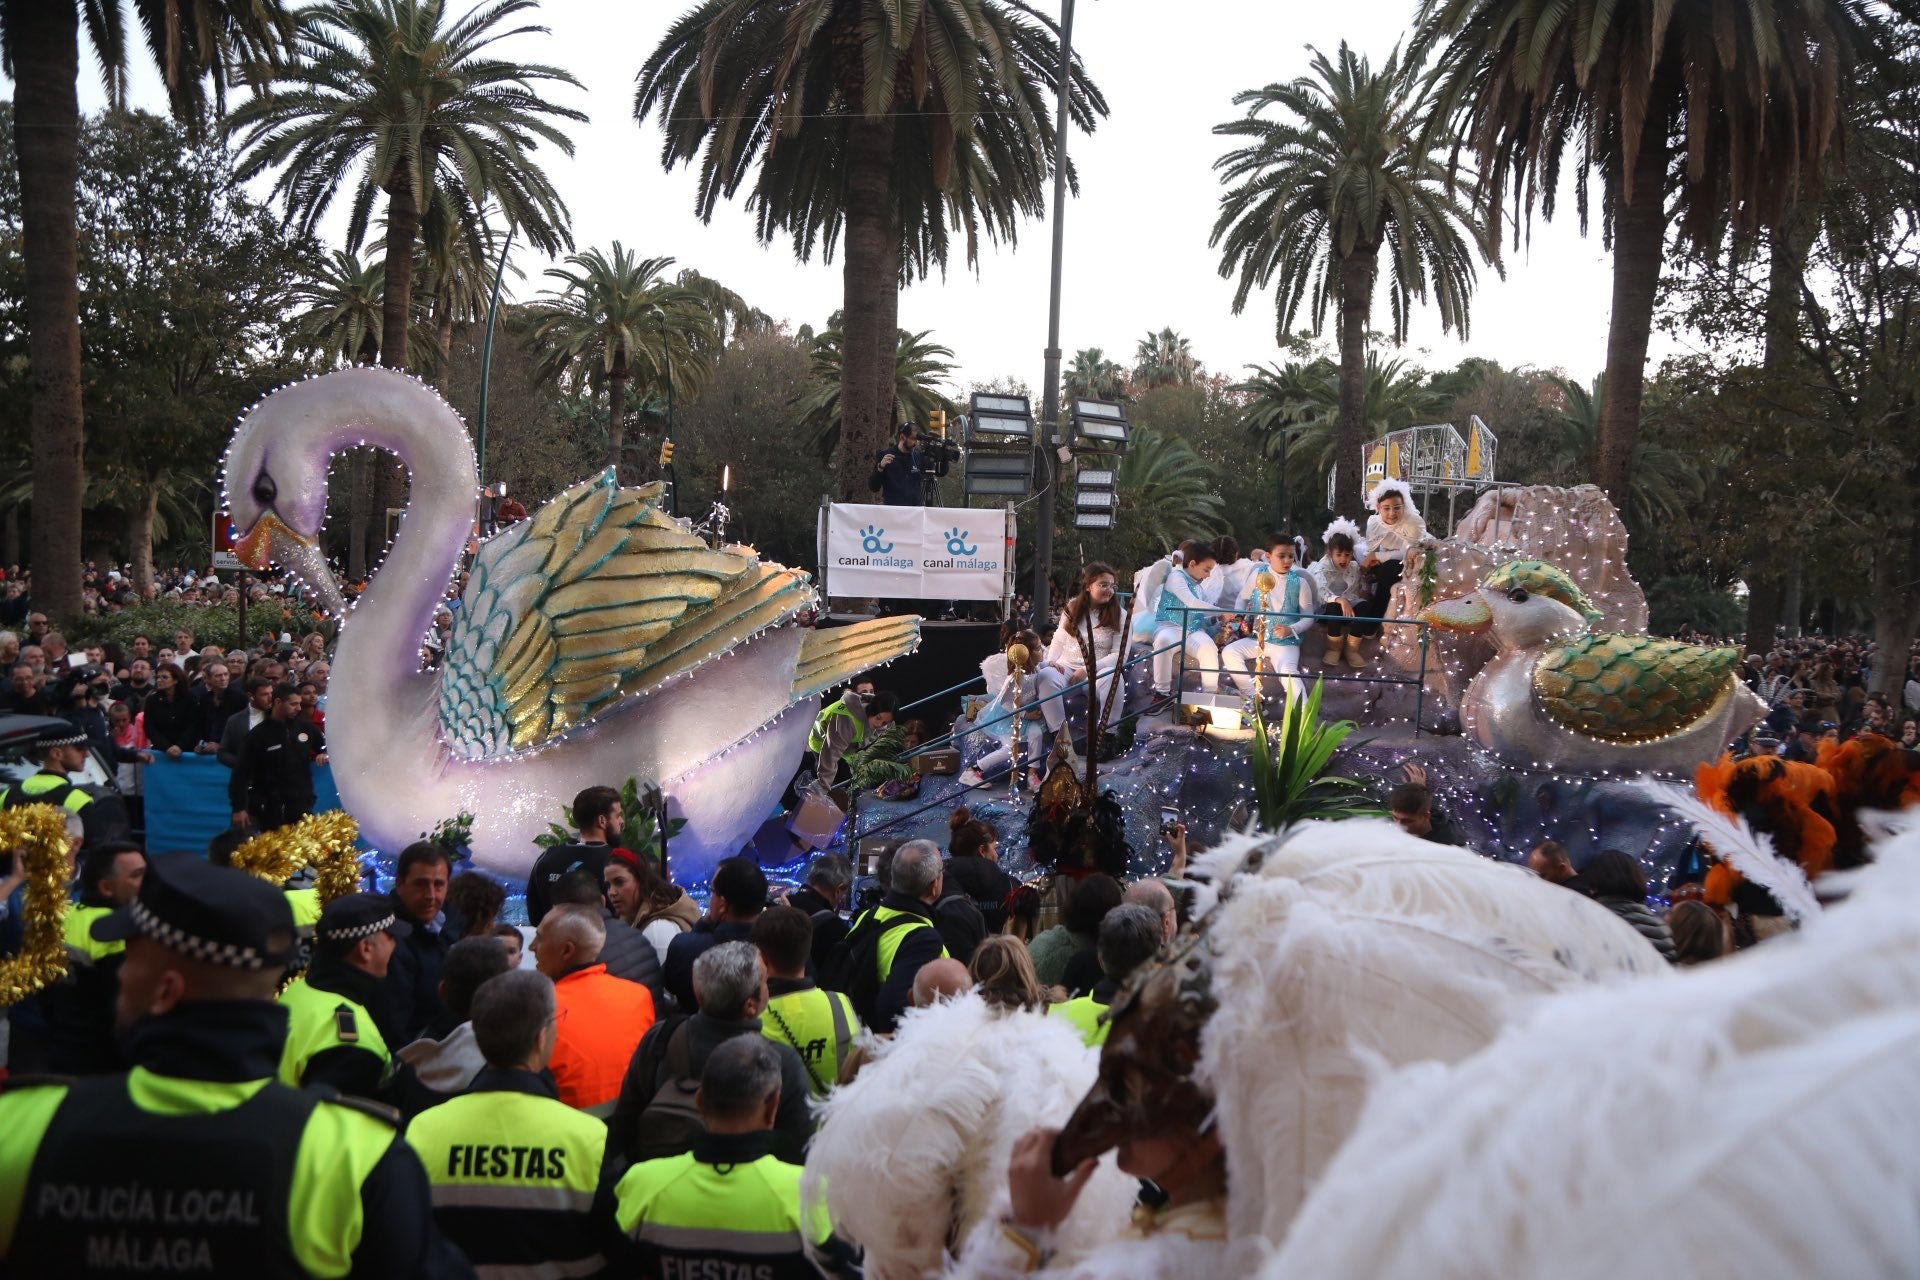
[1517, 594]
[264, 491]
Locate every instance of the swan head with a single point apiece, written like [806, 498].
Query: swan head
[276, 486]
[1524, 603]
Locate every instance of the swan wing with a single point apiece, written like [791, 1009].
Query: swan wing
[1622, 688]
[598, 598]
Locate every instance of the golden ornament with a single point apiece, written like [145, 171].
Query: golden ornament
[323, 841]
[37, 835]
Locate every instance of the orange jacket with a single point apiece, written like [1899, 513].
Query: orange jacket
[601, 1020]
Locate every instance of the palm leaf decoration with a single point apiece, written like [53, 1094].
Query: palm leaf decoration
[1290, 779]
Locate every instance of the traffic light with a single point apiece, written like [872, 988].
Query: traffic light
[666, 452]
[937, 422]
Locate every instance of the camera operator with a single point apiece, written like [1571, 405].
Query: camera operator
[903, 472]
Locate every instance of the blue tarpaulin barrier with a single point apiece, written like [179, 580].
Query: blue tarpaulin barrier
[186, 801]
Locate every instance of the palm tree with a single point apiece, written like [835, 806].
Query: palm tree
[1724, 112]
[1164, 359]
[390, 98]
[1301, 409]
[919, 368]
[1166, 493]
[732, 315]
[616, 318]
[198, 44]
[1345, 176]
[1094, 377]
[458, 260]
[343, 310]
[894, 123]
[1664, 486]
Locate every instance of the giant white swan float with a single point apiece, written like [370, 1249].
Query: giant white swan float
[596, 641]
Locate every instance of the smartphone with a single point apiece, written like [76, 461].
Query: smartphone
[1169, 818]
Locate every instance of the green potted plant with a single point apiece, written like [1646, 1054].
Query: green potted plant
[1290, 779]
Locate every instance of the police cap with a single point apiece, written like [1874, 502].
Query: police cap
[214, 914]
[354, 916]
[60, 735]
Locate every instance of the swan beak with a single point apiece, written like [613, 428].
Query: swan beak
[271, 540]
[1467, 613]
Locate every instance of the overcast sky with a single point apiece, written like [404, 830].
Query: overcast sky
[1136, 250]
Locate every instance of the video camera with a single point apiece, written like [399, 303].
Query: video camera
[936, 449]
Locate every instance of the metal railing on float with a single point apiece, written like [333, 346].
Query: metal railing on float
[1188, 614]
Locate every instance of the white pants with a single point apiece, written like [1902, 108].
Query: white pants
[1052, 681]
[1240, 657]
[1203, 655]
[1000, 757]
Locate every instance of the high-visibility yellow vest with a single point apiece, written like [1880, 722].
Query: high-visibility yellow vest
[321, 1020]
[806, 1021]
[692, 1215]
[78, 931]
[1085, 1013]
[818, 738]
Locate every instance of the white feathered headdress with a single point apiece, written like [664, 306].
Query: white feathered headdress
[1351, 945]
[913, 1153]
[1343, 525]
[1389, 485]
[1752, 1116]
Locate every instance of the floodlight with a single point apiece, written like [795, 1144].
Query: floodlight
[1100, 424]
[999, 422]
[998, 475]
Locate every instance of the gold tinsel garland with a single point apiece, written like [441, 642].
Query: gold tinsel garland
[323, 841]
[37, 834]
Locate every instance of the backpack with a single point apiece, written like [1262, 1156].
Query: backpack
[671, 1121]
[854, 968]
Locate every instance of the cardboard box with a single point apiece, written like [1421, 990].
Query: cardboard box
[943, 763]
[816, 821]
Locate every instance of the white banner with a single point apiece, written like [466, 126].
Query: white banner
[916, 553]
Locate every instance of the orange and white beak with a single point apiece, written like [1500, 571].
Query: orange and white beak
[270, 540]
[1464, 613]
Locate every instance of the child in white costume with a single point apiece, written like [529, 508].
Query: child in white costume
[1289, 592]
[1066, 663]
[1341, 586]
[1183, 588]
[1011, 688]
[1392, 530]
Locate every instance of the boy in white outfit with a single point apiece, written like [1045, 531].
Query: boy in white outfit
[1284, 590]
[1183, 588]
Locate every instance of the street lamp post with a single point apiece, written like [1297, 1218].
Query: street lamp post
[1050, 394]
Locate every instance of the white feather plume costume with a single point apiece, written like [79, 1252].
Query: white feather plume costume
[1338, 948]
[914, 1152]
[1354, 944]
[1753, 1117]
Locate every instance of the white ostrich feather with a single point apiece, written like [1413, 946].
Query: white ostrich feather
[1351, 946]
[1753, 1117]
[913, 1153]
[1750, 852]
[1130, 1257]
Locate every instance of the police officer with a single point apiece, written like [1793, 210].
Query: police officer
[62, 750]
[671, 1207]
[198, 1160]
[819, 1025]
[1129, 936]
[79, 1007]
[875, 963]
[334, 1010]
[519, 1178]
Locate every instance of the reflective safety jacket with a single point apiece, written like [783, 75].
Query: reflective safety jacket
[1084, 1012]
[726, 1208]
[517, 1178]
[331, 1040]
[820, 1025]
[45, 788]
[79, 933]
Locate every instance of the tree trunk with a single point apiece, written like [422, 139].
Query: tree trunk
[359, 511]
[140, 550]
[443, 327]
[616, 416]
[1763, 611]
[1356, 304]
[1896, 608]
[10, 536]
[870, 297]
[1639, 242]
[45, 40]
[396, 313]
